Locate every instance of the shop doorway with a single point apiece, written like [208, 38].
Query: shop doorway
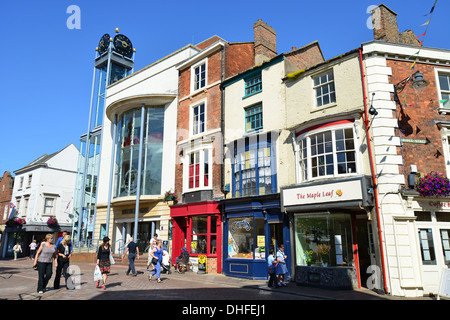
[366, 250]
[276, 235]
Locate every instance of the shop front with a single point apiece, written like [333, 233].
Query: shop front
[253, 226]
[333, 246]
[430, 218]
[198, 227]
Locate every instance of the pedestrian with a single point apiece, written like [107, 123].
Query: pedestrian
[281, 269]
[60, 239]
[153, 240]
[156, 253]
[63, 258]
[103, 261]
[271, 266]
[44, 258]
[33, 246]
[133, 252]
[16, 249]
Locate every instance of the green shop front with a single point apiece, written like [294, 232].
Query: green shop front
[332, 230]
[252, 226]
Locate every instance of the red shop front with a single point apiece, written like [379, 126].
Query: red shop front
[198, 227]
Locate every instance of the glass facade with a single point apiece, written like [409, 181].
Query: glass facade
[127, 159]
[90, 186]
[323, 240]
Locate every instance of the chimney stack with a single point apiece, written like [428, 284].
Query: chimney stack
[385, 25]
[265, 42]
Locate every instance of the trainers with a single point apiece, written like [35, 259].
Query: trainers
[103, 287]
[97, 284]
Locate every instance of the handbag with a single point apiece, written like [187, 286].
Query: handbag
[154, 261]
[111, 259]
[97, 274]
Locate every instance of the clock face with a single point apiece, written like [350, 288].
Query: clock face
[123, 45]
[103, 44]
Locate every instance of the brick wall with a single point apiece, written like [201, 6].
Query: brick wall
[417, 121]
[239, 57]
[265, 41]
[6, 188]
[306, 56]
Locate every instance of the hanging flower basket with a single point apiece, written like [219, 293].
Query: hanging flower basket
[16, 222]
[52, 222]
[433, 185]
[170, 196]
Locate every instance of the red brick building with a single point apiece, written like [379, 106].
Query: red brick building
[6, 189]
[408, 87]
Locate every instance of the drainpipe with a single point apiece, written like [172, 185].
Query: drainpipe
[372, 167]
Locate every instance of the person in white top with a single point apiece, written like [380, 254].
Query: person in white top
[33, 246]
[16, 250]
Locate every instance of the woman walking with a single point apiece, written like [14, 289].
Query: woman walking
[63, 254]
[103, 262]
[157, 254]
[44, 258]
[33, 246]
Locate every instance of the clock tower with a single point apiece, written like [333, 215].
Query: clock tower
[114, 60]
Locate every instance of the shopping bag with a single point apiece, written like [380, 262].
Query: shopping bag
[111, 259]
[97, 274]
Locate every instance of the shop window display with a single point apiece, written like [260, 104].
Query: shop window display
[246, 238]
[323, 240]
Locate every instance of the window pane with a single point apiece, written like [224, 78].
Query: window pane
[427, 246]
[444, 82]
[423, 215]
[260, 252]
[445, 238]
[323, 239]
[240, 238]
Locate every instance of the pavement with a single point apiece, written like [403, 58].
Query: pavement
[18, 281]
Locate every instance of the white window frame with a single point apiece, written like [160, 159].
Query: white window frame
[53, 207]
[26, 201]
[17, 208]
[186, 161]
[30, 177]
[21, 179]
[441, 71]
[193, 80]
[357, 143]
[191, 118]
[330, 103]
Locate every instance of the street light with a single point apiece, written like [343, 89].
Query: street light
[418, 84]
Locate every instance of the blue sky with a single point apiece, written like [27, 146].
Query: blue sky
[47, 68]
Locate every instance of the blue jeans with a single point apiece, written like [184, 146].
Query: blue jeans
[131, 257]
[157, 270]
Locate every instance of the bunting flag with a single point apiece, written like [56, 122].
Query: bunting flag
[415, 54]
[426, 23]
[11, 205]
[413, 65]
[432, 9]
[423, 34]
[443, 101]
[68, 204]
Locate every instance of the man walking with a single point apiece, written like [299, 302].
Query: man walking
[133, 252]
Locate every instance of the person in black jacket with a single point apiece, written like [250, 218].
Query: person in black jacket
[63, 257]
[103, 253]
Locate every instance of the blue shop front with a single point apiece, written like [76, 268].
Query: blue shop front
[252, 226]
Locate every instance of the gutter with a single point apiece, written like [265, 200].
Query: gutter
[372, 167]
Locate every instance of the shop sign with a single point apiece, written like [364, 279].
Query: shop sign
[332, 192]
[244, 224]
[439, 204]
